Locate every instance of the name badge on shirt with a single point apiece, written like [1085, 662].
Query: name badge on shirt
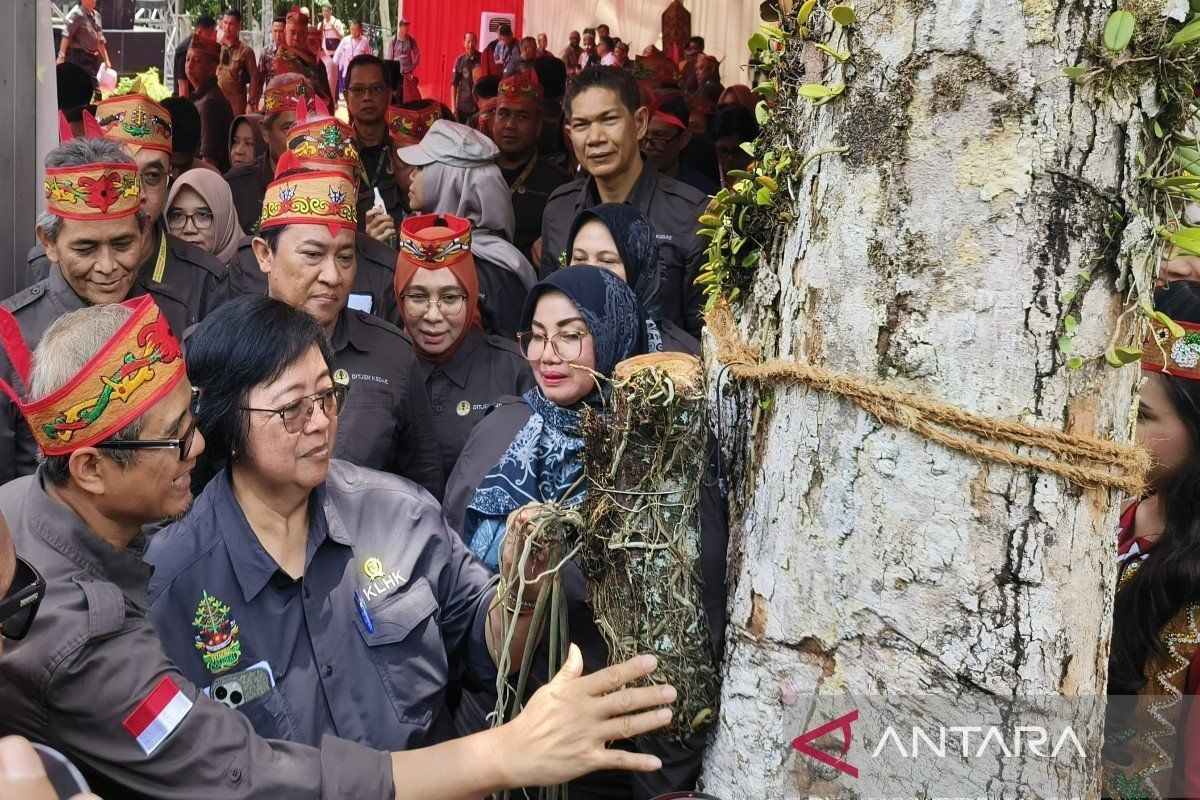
[380, 580]
[361, 301]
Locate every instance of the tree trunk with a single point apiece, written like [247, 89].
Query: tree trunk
[977, 187]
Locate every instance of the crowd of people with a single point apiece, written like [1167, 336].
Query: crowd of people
[284, 382]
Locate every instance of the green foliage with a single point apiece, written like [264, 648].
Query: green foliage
[1118, 31]
[148, 83]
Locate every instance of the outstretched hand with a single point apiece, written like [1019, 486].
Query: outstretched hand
[562, 731]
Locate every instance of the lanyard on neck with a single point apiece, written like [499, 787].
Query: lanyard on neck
[519, 183]
[160, 266]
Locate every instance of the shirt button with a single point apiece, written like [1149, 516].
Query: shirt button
[438, 409]
[307, 592]
[235, 774]
[328, 670]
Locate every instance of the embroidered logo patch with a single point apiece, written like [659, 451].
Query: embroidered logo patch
[464, 408]
[216, 635]
[158, 715]
[373, 567]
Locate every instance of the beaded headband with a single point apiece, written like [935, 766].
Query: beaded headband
[93, 191]
[408, 126]
[1178, 356]
[135, 120]
[322, 141]
[309, 198]
[435, 252]
[136, 368]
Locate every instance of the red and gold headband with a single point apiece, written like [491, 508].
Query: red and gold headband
[1178, 356]
[309, 198]
[408, 126]
[323, 141]
[136, 121]
[207, 45]
[451, 244]
[136, 368]
[286, 96]
[93, 191]
[521, 89]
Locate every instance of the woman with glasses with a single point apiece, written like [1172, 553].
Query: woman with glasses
[465, 370]
[576, 326]
[314, 596]
[617, 237]
[200, 211]
[452, 171]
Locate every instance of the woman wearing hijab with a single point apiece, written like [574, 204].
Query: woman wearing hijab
[465, 370]
[576, 326]
[454, 174]
[200, 211]
[246, 140]
[619, 238]
[737, 95]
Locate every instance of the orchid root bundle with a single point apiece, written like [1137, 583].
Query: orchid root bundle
[640, 552]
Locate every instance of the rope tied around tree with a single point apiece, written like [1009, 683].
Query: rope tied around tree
[1083, 460]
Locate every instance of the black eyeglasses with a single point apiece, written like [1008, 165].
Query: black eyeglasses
[297, 414]
[661, 140]
[177, 219]
[183, 443]
[20, 605]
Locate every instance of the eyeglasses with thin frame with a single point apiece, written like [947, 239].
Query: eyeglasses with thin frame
[177, 220]
[20, 605]
[567, 345]
[417, 305]
[358, 90]
[183, 443]
[153, 178]
[295, 415]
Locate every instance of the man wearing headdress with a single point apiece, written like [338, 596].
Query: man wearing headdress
[146, 131]
[531, 179]
[295, 56]
[92, 232]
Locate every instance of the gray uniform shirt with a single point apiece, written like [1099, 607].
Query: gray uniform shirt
[35, 308]
[92, 658]
[673, 209]
[483, 369]
[387, 424]
[86, 30]
[372, 290]
[194, 274]
[426, 596]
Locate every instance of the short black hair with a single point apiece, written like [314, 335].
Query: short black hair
[233, 12]
[279, 18]
[615, 79]
[205, 21]
[486, 87]
[76, 114]
[505, 30]
[244, 343]
[737, 121]
[552, 75]
[185, 124]
[698, 41]
[366, 59]
[675, 104]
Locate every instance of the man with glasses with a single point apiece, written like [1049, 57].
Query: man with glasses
[667, 136]
[309, 259]
[367, 100]
[91, 679]
[517, 129]
[93, 233]
[145, 128]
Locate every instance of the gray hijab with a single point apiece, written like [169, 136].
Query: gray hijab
[479, 194]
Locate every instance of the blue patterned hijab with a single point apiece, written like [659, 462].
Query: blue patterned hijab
[638, 248]
[544, 460]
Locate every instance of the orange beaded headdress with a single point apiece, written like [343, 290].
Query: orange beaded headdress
[439, 241]
[408, 126]
[521, 89]
[1178, 356]
[135, 120]
[137, 367]
[323, 140]
[301, 197]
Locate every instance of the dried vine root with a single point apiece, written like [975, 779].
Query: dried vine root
[640, 550]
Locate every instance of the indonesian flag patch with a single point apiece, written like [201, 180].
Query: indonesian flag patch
[158, 715]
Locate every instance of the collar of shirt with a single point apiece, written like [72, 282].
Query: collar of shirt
[639, 197]
[350, 330]
[458, 367]
[66, 532]
[253, 566]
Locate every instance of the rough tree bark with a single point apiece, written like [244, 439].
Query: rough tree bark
[978, 185]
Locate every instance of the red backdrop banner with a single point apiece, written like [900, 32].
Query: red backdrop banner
[439, 25]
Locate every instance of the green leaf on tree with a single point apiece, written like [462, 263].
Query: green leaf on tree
[1118, 31]
[1074, 362]
[1065, 344]
[1188, 34]
[1075, 73]
[1071, 322]
[1128, 355]
[758, 42]
[843, 15]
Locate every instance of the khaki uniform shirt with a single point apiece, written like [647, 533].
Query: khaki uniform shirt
[236, 72]
[92, 659]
